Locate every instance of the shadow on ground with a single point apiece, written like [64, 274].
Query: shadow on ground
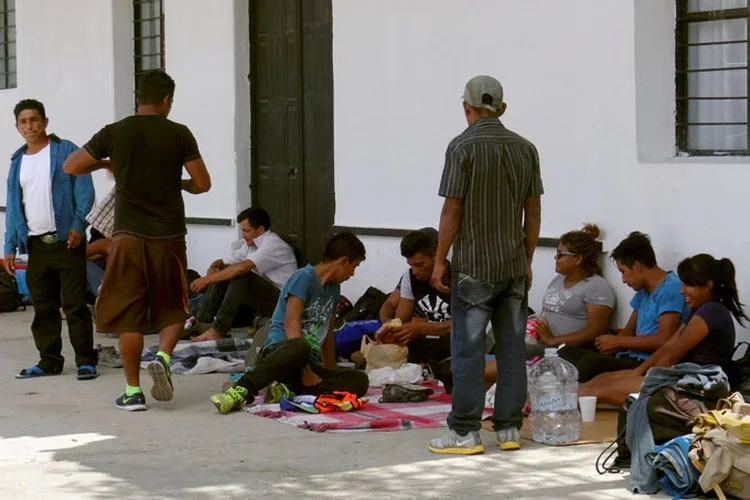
[64, 439]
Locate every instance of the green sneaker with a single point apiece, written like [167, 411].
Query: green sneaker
[275, 391]
[162, 389]
[230, 400]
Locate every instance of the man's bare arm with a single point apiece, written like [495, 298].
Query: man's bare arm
[80, 162]
[405, 310]
[450, 221]
[200, 179]
[532, 223]
[98, 247]
[438, 329]
[388, 309]
[629, 330]
[669, 323]
[293, 317]
[328, 349]
[231, 272]
[215, 266]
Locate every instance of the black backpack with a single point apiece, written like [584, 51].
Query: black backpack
[10, 299]
[367, 307]
[739, 370]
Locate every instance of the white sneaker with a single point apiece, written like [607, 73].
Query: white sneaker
[455, 444]
[508, 439]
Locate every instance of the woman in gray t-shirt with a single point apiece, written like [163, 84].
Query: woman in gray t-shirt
[578, 304]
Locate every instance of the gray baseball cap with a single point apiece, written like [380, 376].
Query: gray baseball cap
[484, 92]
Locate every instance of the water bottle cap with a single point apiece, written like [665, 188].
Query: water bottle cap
[550, 352]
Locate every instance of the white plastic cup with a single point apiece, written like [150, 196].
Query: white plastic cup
[588, 408]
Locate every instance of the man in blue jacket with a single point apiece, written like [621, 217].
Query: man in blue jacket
[46, 218]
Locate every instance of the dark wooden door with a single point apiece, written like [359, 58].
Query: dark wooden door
[291, 79]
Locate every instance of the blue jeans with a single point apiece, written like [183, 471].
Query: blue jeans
[94, 276]
[474, 303]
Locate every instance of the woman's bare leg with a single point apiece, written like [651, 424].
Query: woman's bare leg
[612, 388]
[490, 374]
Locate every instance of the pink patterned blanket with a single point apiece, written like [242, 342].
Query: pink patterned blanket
[373, 417]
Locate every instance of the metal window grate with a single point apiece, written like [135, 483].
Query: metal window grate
[712, 85]
[8, 77]
[148, 37]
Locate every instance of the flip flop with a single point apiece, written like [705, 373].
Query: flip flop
[87, 372]
[34, 372]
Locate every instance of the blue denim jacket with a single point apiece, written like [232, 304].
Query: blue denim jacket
[72, 198]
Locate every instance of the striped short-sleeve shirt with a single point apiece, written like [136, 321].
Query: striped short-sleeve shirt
[494, 171]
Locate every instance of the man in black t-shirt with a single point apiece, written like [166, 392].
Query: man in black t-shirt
[147, 266]
[423, 310]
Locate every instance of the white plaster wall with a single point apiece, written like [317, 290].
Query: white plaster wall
[200, 56]
[65, 61]
[569, 71]
[83, 72]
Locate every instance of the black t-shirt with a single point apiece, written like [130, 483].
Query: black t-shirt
[428, 302]
[148, 153]
[96, 235]
[717, 347]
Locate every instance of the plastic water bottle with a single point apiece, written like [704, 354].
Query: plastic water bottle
[553, 385]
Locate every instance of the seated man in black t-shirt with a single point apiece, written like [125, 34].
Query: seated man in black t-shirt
[424, 311]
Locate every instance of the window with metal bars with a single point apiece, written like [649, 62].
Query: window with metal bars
[148, 37]
[712, 60]
[8, 78]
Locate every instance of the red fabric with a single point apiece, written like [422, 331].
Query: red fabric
[339, 401]
[18, 266]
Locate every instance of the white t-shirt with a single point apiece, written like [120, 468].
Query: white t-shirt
[273, 257]
[36, 189]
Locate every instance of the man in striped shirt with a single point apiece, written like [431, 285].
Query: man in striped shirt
[492, 212]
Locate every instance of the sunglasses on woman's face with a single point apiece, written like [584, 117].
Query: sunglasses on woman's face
[560, 253]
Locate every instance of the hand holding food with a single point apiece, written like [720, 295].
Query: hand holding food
[385, 334]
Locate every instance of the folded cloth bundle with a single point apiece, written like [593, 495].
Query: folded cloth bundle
[325, 403]
[677, 475]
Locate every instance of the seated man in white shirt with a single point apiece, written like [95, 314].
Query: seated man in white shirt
[258, 266]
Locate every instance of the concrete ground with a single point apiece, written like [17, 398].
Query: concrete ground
[61, 438]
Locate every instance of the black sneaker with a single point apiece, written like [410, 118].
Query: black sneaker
[622, 461]
[162, 390]
[136, 402]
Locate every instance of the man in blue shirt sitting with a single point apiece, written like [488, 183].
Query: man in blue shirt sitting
[300, 350]
[658, 311]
